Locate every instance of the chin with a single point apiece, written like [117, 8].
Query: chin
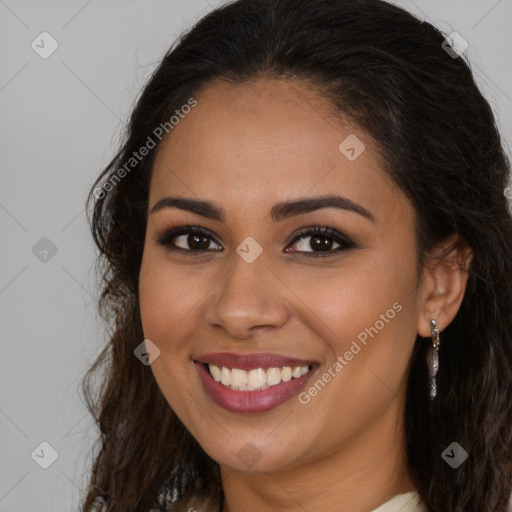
[254, 454]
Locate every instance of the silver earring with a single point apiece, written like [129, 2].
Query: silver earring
[433, 359]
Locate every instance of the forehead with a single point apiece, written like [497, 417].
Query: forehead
[267, 141]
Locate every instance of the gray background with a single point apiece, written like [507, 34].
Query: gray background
[61, 119]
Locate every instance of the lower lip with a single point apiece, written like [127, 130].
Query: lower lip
[251, 401]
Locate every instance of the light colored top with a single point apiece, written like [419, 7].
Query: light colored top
[408, 502]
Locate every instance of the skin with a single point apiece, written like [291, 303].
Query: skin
[247, 148]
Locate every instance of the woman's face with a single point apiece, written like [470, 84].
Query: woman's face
[343, 305]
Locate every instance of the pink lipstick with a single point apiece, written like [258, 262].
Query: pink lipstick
[253, 401]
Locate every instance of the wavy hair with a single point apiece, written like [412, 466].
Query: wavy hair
[387, 71]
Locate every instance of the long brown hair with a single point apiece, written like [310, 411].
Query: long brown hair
[390, 73]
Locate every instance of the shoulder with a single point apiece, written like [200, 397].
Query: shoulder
[411, 502]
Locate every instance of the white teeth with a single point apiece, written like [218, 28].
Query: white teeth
[215, 371]
[257, 379]
[286, 374]
[238, 378]
[273, 376]
[225, 376]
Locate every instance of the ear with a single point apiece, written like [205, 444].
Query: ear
[444, 283]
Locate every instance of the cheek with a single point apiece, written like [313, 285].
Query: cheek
[168, 293]
[367, 317]
[366, 312]
[363, 293]
[167, 297]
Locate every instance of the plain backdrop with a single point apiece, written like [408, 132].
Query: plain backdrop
[61, 120]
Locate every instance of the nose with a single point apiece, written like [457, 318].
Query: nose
[249, 298]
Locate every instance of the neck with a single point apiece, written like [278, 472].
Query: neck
[356, 477]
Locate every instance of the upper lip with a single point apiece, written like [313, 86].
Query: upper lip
[251, 361]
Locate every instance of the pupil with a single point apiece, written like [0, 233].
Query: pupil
[201, 241]
[320, 243]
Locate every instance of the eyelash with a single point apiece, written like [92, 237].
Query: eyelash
[166, 238]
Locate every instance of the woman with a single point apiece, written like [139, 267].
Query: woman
[306, 253]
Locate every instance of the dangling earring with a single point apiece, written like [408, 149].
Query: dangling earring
[433, 359]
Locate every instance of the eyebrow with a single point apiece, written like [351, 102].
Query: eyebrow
[278, 212]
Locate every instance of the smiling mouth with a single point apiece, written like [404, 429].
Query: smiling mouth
[257, 379]
[253, 383]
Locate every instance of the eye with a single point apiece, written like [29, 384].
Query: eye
[194, 239]
[321, 241]
[197, 240]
